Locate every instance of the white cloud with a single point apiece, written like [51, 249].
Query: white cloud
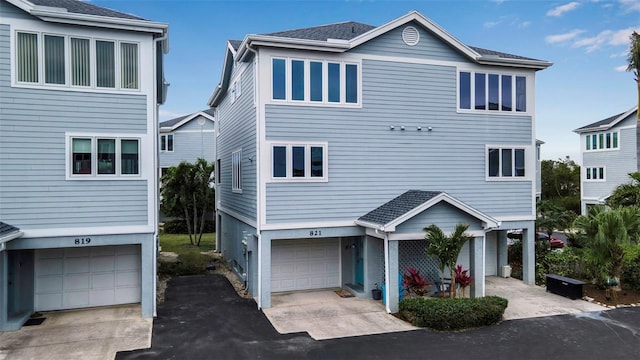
[621, 68]
[630, 5]
[619, 55]
[490, 24]
[524, 24]
[606, 37]
[621, 37]
[559, 10]
[558, 38]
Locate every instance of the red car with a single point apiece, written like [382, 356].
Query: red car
[554, 242]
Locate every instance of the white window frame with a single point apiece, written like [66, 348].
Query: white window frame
[236, 90]
[527, 167]
[94, 157]
[288, 100]
[236, 171]
[67, 60]
[591, 169]
[307, 162]
[500, 74]
[166, 142]
[597, 135]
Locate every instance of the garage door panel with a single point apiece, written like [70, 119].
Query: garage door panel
[75, 299]
[128, 279]
[49, 301]
[103, 281]
[103, 263]
[49, 283]
[76, 282]
[128, 295]
[103, 251]
[128, 262]
[304, 264]
[76, 265]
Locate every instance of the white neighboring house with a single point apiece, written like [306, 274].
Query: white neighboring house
[609, 150]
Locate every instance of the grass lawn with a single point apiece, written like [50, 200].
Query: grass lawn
[190, 257]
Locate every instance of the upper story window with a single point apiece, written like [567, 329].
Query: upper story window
[236, 90]
[492, 92]
[602, 141]
[166, 143]
[595, 174]
[63, 60]
[315, 81]
[236, 171]
[103, 156]
[299, 162]
[505, 162]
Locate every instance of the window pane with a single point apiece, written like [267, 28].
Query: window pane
[507, 162]
[163, 143]
[521, 93]
[297, 160]
[129, 56]
[279, 79]
[169, 142]
[129, 160]
[297, 80]
[594, 142]
[105, 64]
[601, 173]
[317, 159]
[316, 81]
[588, 142]
[507, 93]
[588, 173]
[494, 162]
[520, 164]
[615, 140]
[493, 92]
[480, 92]
[334, 82]
[80, 62]
[608, 141]
[27, 57]
[600, 141]
[351, 92]
[279, 161]
[81, 156]
[465, 90]
[106, 156]
[54, 59]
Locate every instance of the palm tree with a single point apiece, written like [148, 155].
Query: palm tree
[446, 248]
[627, 194]
[634, 66]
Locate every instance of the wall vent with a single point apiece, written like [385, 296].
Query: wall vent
[410, 36]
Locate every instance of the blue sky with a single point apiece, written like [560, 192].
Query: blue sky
[586, 40]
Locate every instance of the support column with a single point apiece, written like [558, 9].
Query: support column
[3, 290]
[147, 252]
[264, 272]
[392, 286]
[528, 256]
[477, 252]
[503, 249]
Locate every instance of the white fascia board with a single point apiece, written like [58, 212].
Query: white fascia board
[369, 225]
[8, 237]
[218, 91]
[609, 125]
[214, 96]
[62, 16]
[186, 120]
[289, 43]
[521, 63]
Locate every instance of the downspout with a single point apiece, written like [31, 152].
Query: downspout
[386, 271]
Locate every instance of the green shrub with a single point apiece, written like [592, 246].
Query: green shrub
[567, 262]
[453, 314]
[180, 227]
[630, 278]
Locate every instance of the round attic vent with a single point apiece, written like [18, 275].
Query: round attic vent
[410, 36]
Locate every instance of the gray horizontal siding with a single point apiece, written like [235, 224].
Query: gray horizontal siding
[12, 12]
[391, 44]
[33, 191]
[237, 127]
[443, 215]
[370, 164]
[189, 146]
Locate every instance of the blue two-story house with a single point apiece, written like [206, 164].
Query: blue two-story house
[348, 139]
[80, 87]
[609, 149]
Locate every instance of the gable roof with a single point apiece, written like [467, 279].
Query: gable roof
[84, 13]
[8, 233]
[339, 31]
[607, 123]
[413, 202]
[173, 124]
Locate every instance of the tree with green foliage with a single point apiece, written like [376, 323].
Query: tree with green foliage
[446, 249]
[187, 194]
[627, 194]
[550, 217]
[560, 181]
[608, 236]
[634, 66]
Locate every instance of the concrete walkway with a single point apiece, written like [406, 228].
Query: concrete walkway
[325, 315]
[79, 334]
[530, 301]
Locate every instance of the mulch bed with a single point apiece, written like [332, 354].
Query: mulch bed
[624, 297]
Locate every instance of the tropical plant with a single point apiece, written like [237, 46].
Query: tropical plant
[463, 278]
[560, 181]
[414, 283]
[550, 217]
[609, 236]
[627, 194]
[446, 248]
[634, 61]
[187, 194]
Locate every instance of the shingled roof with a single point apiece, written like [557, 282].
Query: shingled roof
[172, 122]
[80, 7]
[605, 123]
[398, 206]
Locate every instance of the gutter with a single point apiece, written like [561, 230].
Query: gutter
[62, 16]
[11, 236]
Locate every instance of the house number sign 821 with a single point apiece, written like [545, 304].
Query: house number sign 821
[82, 241]
[315, 233]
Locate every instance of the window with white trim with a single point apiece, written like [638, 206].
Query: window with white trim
[602, 141]
[299, 162]
[315, 81]
[98, 156]
[166, 143]
[236, 171]
[595, 173]
[479, 91]
[71, 61]
[236, 90]
[507, 162]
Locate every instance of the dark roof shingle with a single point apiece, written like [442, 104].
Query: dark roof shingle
[7, 229]
[398, 206]
[341, 31]
[486, 52]
[596, 124]
[80, 7]
[172, 122]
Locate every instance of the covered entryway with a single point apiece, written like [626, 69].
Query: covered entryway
[70, 278]
[305, 264]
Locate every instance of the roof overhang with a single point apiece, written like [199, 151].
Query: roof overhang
[611, 124]
[5, 238]
[225, 77]
[186, 120]
[488, 222]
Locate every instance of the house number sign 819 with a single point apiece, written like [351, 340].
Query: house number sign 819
[82, 241]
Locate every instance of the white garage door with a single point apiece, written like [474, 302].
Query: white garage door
[305, 264]
[84, 277]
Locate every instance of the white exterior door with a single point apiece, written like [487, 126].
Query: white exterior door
[305, 264]
[81, 277]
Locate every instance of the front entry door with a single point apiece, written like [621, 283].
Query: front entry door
[358, 271]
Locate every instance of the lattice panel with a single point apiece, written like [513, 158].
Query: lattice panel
[411, 254]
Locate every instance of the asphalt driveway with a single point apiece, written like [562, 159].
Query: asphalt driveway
[203, 318]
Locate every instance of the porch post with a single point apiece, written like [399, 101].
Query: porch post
[528, 256]
[264, 271]
[3, 290]
[392, 283]
[477, 251]
[503, 249]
